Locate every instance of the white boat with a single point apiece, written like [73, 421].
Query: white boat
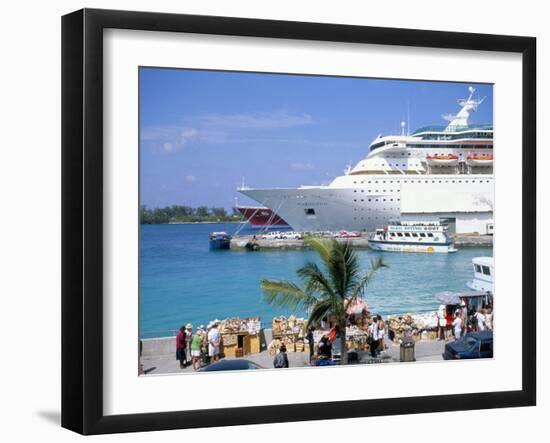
[402, 176]
[442, 160]
[480, 160]
[484, 269]
[412, 237]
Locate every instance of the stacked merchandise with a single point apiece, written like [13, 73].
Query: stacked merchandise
[290, 331]
[356, 338]
[233, 325]
[418, 326]
[289, 326]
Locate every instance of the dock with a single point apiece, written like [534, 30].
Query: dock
[461, 241]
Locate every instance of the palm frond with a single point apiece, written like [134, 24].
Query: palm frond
[315, 280]
[343, 267]
[323, 247]
[362, 284]
[286, 294]
[319, 311]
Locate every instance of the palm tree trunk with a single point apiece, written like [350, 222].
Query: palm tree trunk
[343, 343]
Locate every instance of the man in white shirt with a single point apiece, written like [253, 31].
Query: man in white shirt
[214, 339]
[457, 325]
[373, 336]
[480, 321]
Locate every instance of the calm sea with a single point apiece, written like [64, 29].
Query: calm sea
[182, 281]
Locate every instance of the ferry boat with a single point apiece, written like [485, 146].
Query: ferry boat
[220, 240]
[435, 170]
[412, 237]
[484, 268]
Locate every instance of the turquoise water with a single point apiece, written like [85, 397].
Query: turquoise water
[182, 281]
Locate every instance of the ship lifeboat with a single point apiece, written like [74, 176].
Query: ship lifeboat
[480, 160]
[442, 160]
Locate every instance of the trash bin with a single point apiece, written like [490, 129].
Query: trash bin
[406, 350]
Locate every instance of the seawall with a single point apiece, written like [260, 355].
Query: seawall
[461, 241]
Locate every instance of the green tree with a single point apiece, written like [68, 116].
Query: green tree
[328, 291]
[202, 211]
[219, 212]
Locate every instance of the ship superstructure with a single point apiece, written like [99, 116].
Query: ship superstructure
[435, 173]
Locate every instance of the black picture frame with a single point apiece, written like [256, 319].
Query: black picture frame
[82, 219]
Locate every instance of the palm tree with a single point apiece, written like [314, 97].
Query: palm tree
[326, 292]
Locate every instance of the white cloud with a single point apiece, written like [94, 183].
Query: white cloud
[297, 166]
[168, 139]
[273, 120]
[190, 178]
[225, 128]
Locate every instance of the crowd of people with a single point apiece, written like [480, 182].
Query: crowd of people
[456, 321]
[198, 347]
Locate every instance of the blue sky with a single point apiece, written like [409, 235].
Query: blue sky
[202, 131]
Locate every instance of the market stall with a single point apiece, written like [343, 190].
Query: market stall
[240, 337]
[291, 331]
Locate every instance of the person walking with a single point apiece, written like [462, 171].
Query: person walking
[489, 319]
[281, 359]
[195, 347]
[442, 321]
[180, 348]
[480, 317]
[214, 340]
[381, 334]
[457, 324]
[311, 343]
[373, 337]
[464, 309]
[188, 336]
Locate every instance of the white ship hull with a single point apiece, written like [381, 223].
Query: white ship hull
[416, 247]
[371, 202]
[402, 176]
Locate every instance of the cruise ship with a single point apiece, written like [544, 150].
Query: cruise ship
[437, 173]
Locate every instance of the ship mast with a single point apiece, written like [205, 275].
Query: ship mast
[460, 119]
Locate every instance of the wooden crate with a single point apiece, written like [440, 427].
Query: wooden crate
[254, 343]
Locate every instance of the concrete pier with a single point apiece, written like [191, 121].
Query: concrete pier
[461, 241]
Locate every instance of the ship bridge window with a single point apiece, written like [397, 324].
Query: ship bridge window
[430, 234]
[407, 234]
[486, 270]
[414, 234]
[422, 234]
[399, 234]
[477, 268]
[309, 211]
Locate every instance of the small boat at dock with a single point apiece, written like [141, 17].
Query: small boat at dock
[220, 240]
[412, 237]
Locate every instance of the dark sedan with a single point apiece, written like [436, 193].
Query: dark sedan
[472, 345]
[231, 365]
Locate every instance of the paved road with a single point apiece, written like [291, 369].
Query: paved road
[424, 351]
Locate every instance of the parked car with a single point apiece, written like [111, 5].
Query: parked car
[348, 234]
[275, 235]
[231, 365]
[292, 235]
[472, 345]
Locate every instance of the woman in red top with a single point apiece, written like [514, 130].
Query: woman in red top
[449, 318]
[180, 348]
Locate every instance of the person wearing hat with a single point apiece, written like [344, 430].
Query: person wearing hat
[188, 336]
[196, 343]
[214, 340]
[181, 353]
